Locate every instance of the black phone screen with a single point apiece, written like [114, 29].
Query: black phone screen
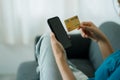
[59, 31]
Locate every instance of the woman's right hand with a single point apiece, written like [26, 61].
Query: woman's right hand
[89, 30]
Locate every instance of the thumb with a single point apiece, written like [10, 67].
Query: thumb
[53, 38]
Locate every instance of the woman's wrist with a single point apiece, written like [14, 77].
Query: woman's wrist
[101, 38]
[64, 68]
[61, 57]
[105, 46]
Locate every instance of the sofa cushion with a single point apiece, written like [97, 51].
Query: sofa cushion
[80, 47]
[112, 31]
[95, 55]
[84, 65]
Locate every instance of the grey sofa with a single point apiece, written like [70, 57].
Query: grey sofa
[84, 53]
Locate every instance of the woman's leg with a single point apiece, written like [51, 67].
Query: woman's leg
[46, 61]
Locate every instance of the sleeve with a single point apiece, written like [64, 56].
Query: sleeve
[115, 74]
[110, 68]
[104, 71]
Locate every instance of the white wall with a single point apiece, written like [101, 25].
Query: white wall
[97, 11]
[12, 56]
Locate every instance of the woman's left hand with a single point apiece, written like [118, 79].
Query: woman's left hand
[57, 47]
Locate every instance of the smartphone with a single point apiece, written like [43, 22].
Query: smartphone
[59, 31]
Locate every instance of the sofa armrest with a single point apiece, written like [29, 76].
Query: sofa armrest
[112, 31]
[27, 71]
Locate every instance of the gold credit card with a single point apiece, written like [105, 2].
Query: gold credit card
[72, 23]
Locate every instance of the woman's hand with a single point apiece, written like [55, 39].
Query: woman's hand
[60, 58]
[89, 30]
[57, 48]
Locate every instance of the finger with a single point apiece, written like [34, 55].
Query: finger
[53, 41]
[89, 29]
[53, 38]
[86, 36]
[78, 27]
[87, 23]
[84, 25]
[85, 32]
[82, 33]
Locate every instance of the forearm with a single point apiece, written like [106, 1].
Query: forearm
[59, 54]
[105, 47]
[64, 69]
[89, 30]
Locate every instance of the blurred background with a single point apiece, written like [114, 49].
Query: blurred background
[22, 20]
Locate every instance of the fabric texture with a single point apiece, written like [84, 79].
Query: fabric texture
[110, 68]
[47, 64]
[85, 66]
[112, 31]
